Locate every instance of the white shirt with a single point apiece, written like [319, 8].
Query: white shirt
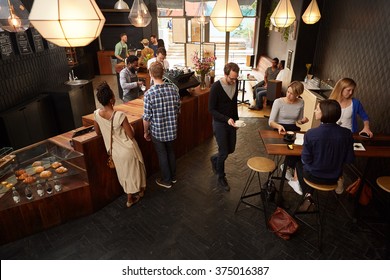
[165, 63]
[279, 77]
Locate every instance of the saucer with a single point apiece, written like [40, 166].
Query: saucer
[243, 125]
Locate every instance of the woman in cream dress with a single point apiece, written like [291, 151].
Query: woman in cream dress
[129, 163]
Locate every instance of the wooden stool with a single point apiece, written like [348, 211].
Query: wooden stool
[384, 183]
[257, 165]
[319, 216]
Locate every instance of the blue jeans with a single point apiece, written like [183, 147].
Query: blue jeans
[260, 93]
[226, 137]
[166, 158]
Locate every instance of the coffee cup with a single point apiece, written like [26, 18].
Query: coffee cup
[239, 123]
[290, 135]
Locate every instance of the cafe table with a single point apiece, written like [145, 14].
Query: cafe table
[376, 147]
[242, 81]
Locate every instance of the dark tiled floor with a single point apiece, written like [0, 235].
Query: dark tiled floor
[195, 220]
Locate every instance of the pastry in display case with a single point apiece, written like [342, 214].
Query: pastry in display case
[39, 162]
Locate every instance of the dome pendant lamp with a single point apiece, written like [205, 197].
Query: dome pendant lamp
[283, 15]
[67, 23]
[226, 15]
[121, 5]
[312, 13]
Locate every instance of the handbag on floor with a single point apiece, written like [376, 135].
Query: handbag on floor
[365, 195]
[282, 224]
[110, 162]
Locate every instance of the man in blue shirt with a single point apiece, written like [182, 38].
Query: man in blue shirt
[161, 109]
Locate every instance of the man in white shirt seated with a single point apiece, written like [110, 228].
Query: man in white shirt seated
[161, 55]
[261, 93]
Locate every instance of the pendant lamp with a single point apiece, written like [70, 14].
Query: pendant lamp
[13, 16]
[121, 5]
[67, 23]
[201, 16]
[139, 14]
[283, 15]
[312, 13]
[226, 15]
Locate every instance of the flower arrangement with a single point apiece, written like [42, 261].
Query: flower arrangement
[203, 65]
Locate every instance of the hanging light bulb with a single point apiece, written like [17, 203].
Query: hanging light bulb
[283, 15]
[67, 23]
[13, 16]
[201, 14]
[121, 5]
[312, 13]
[226, 15]
[139, 15]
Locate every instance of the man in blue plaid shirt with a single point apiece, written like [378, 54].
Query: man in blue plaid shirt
[161, 109]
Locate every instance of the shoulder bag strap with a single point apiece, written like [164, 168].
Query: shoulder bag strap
[112, 128]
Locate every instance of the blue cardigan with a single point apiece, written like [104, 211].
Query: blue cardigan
[357, 109]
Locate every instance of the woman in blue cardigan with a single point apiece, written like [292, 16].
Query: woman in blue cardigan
[350, 107]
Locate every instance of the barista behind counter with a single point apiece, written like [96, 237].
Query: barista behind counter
[141, 76]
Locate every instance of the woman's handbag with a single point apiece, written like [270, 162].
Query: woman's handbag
[110, 162]
[282, 224]
[365, 195]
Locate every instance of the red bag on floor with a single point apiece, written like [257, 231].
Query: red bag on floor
[282, 224]
[365, 195]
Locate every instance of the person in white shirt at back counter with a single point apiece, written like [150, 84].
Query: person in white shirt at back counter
[161, 55]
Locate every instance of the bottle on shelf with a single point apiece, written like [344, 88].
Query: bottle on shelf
[57, 184]
[15, 195]
[28, 192]
[40, 190]
[49, 187]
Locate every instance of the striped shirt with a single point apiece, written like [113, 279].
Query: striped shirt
[161, 109]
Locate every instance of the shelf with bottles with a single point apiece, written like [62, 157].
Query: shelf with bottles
[43, 163]
[71, 56]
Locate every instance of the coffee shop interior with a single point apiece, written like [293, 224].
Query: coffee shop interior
[47, 99]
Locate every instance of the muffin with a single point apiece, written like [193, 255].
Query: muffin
[19, 172]
[23, 176]
[29, 180]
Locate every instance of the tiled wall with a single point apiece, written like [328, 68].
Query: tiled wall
[24, 77]
[354, 42]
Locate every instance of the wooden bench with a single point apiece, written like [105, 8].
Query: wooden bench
[274, 89]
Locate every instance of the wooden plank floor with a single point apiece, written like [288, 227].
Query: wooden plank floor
[195, 219]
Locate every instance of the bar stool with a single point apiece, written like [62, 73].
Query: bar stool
[384, 183]
[319, 214]
[257, 165]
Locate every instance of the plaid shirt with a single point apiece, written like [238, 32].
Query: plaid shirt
[161, 107]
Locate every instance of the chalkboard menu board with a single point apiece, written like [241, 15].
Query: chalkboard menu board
[23, 43]
[6, 50]
[36, 39]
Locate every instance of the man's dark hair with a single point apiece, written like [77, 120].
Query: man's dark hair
[131, 59]
[231, 66]
[163, 51]
[283, 62]
[330, 110]
[121, 35]
[276, 59]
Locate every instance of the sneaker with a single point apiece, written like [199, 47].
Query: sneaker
[163, 184]
[288, 172]
[340, 186]
[213, 165]
[295, 186]
[223, 183]
[174, 180]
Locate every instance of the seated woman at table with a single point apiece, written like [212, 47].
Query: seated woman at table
[287, 111]
[325, 148]
[350, 107]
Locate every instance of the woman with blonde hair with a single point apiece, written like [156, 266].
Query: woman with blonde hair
[350, 107]
[146, 54]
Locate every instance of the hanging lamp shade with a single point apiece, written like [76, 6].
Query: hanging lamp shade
[312, 13]
[121, 5]
[201, 15]
[67, 23]
[139, 14]
[283, 15]
[226, 15]
[13, 16]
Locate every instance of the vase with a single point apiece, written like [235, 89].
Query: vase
[203, 81]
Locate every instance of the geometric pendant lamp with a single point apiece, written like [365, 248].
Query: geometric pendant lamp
[312, 13]
[13, 16]
[67, 23]
[283, 15]
[226, 15]
[139, 15]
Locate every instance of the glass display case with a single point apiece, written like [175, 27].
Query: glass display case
[42, 166]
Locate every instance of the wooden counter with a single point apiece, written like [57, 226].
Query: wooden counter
[98, 185]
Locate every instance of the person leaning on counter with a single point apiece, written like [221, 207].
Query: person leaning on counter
[129, 80]
[121, 48]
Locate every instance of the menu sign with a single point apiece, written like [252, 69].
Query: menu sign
[37, 40]
[23, 43]
[6, 50]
